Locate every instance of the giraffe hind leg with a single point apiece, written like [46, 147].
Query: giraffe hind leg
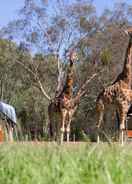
[61, 127]
[68, 124]
[99, 118]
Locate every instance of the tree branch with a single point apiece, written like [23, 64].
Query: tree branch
[82, 89]
[35, 76]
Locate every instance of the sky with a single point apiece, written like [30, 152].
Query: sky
[9, 8]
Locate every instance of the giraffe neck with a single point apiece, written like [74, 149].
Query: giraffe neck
[125, 75]
[127, 64]
[68, 87]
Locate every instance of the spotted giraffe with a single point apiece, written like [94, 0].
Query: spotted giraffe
[114, 94]
[62, 107]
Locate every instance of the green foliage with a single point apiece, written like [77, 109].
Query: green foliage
[20, 89]
[7, 50]
[32, 163]
[105, 57]
[51, 33]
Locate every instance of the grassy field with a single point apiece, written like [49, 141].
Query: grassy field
[34, 163]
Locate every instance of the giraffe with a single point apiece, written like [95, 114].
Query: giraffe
[62, 107]
[125, 76]
[114, 94]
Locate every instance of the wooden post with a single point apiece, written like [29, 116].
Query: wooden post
[74, 139]
[1, 134]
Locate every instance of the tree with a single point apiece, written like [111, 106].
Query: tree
[50, 29]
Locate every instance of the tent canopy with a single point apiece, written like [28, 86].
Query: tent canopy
[8, 111]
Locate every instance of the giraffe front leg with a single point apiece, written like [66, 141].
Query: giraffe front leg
[62, 126]
[121, 136]
[122, 116]
[70, 114]
[68, 132]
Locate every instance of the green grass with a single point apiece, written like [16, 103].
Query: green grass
[30, 163]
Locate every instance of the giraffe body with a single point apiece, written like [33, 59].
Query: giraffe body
[62, 108]
[119, 93]
[117, 96]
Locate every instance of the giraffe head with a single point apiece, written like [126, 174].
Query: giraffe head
[129, 31]
[73, 56]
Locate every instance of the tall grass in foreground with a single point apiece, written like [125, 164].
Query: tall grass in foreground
[68, 164]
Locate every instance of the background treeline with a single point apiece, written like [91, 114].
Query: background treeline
[32, 46]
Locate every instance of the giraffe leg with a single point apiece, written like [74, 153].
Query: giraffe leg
[68, 133]
[68, 130]
[100, 116]
[68, 125]
[53, 126]
[51, 130]
[9, 132]
[122, 116]
[62, 134]
[62, 126]
[122, 134]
